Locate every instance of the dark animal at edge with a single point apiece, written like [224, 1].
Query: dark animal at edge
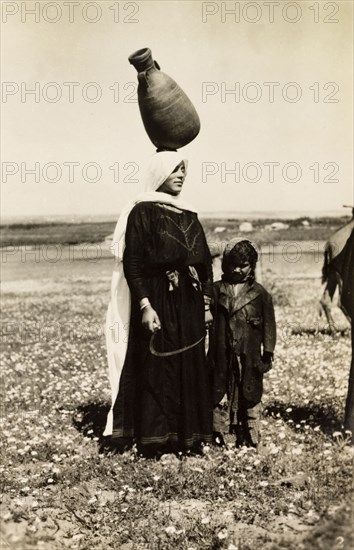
[331, 277]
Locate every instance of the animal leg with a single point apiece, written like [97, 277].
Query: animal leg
[325, 303]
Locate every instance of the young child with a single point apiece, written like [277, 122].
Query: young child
[241, 348]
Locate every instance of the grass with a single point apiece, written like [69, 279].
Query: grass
[60, 489]
[54, 233]
[95, 232]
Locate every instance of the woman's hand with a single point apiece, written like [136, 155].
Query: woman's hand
[208, 318]
[150, 319]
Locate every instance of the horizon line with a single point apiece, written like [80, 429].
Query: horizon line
[222, 214]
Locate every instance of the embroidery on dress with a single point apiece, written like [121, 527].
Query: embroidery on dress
[170, 207]
[187, 244]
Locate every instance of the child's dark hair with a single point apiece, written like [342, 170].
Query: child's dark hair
[244, 251]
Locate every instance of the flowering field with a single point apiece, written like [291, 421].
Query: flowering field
[60, 489]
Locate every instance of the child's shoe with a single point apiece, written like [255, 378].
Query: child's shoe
[218, 439]
[240, 436]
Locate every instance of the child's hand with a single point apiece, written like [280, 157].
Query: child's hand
[267, 357]
[266, 364]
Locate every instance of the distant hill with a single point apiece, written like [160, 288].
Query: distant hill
[255, 215]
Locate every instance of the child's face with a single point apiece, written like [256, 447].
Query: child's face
[238, 271]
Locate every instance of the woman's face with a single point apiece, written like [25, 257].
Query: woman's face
[174, 183]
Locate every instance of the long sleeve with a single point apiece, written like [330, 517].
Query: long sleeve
[133, 258]
[205, 270]
[218, 349]
[207, 284]
[269, 326]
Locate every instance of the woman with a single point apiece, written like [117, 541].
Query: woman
[161, 292]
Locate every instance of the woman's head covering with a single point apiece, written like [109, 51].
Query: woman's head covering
[243, 250]
[160, 166]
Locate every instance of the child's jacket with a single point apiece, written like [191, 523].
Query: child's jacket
[245, 326]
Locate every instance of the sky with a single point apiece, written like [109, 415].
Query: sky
[272, 83]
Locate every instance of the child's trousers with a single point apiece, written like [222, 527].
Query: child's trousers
[245, 424]
[235, 414]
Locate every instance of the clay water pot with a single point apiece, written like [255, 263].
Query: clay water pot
[169, 116]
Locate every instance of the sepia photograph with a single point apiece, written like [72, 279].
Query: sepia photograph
[177, 275]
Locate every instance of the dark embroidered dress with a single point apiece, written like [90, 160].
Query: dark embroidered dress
[166, 399]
